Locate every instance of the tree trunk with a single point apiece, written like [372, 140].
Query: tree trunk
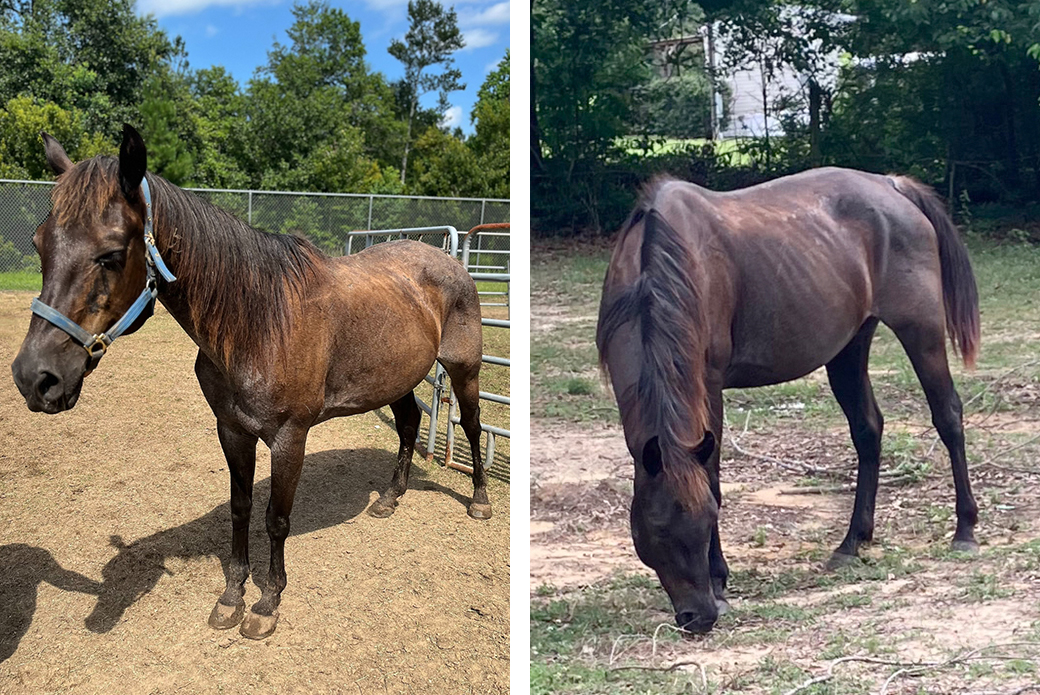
[815, 106]
[536, 133]
[408, 139]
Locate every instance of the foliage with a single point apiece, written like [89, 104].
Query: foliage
[433, 35]
[92, 56]
[21, 150]
[946, 91]
[490, 142]
[315, 117]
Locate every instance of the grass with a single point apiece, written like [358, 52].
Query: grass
[21, 280]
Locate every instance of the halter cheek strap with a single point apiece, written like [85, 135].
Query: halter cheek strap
[97, 344]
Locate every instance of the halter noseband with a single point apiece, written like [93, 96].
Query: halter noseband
[97, 344]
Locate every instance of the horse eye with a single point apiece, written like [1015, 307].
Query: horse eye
[112, 261]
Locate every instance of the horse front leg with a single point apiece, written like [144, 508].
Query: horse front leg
[717, 567]
[287, 451]
[240, 452]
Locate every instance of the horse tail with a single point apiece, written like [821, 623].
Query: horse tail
[960, 294]
[671, 394]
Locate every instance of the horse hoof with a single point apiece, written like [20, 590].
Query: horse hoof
[479, 511]
[970, 547]
[258, 626]
[380, 510]
[722, 605]
[226, 617]
[839, 560]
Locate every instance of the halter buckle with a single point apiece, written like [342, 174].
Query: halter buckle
[96, 351]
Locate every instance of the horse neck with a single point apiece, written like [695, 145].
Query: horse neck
[237, 288]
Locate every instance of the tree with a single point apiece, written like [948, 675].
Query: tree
[162, 123]
[445, 166]
[93, 56]
[433, 35]
[218, 108]
[490, 142]
[21, 149]
[315, 102]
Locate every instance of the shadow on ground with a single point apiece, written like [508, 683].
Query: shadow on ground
[335, 486]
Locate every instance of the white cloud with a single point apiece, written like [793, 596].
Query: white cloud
[211, 31]
[168, 8]
[479, 38]
[496, 14]
[452, 117]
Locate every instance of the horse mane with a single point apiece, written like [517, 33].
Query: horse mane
[666, 300]
[239, 283]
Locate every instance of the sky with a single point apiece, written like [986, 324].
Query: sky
[238, 34]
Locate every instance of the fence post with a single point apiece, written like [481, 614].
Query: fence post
[483, 204]
[249, 214]
[370, 199]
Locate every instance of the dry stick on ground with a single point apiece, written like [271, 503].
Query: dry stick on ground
[828, 489]
[908, 667]
[1004, 452]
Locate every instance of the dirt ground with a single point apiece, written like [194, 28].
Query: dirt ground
[114, 525]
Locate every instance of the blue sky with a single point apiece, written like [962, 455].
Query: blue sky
[238, 33]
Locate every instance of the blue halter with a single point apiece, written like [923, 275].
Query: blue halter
[97, 344]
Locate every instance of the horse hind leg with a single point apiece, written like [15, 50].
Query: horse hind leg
[850, 383]
[925, 345]
[406, 419]
[465, 382]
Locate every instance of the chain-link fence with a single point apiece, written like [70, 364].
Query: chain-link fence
[324, 218]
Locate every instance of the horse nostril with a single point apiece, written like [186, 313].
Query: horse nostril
[691, 622]
[48, 386]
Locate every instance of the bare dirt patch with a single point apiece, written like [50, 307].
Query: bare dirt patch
[114, 525]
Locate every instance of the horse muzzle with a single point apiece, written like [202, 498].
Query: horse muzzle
[47, 388]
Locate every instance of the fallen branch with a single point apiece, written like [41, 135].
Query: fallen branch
[828, 489]
[912, 668]
[1005, 452]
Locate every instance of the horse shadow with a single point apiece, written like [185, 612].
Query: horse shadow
[335, 486]
[22, 569]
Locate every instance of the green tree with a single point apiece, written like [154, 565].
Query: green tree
[316, 102]
[93, 56]
[490, 142]
[218, 108]
[163, 125]
[445, 166]
[433, 36]
[21, 149]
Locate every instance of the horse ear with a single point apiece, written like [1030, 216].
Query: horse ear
[58, 161]
[706, 448]
[133, 161]
[652, 461]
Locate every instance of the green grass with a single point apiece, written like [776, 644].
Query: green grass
[21, 280]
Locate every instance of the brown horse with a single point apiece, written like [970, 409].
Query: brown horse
[287, 337]
[707, 291]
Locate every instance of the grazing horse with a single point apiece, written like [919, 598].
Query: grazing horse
[287, 337]
[707, 291]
